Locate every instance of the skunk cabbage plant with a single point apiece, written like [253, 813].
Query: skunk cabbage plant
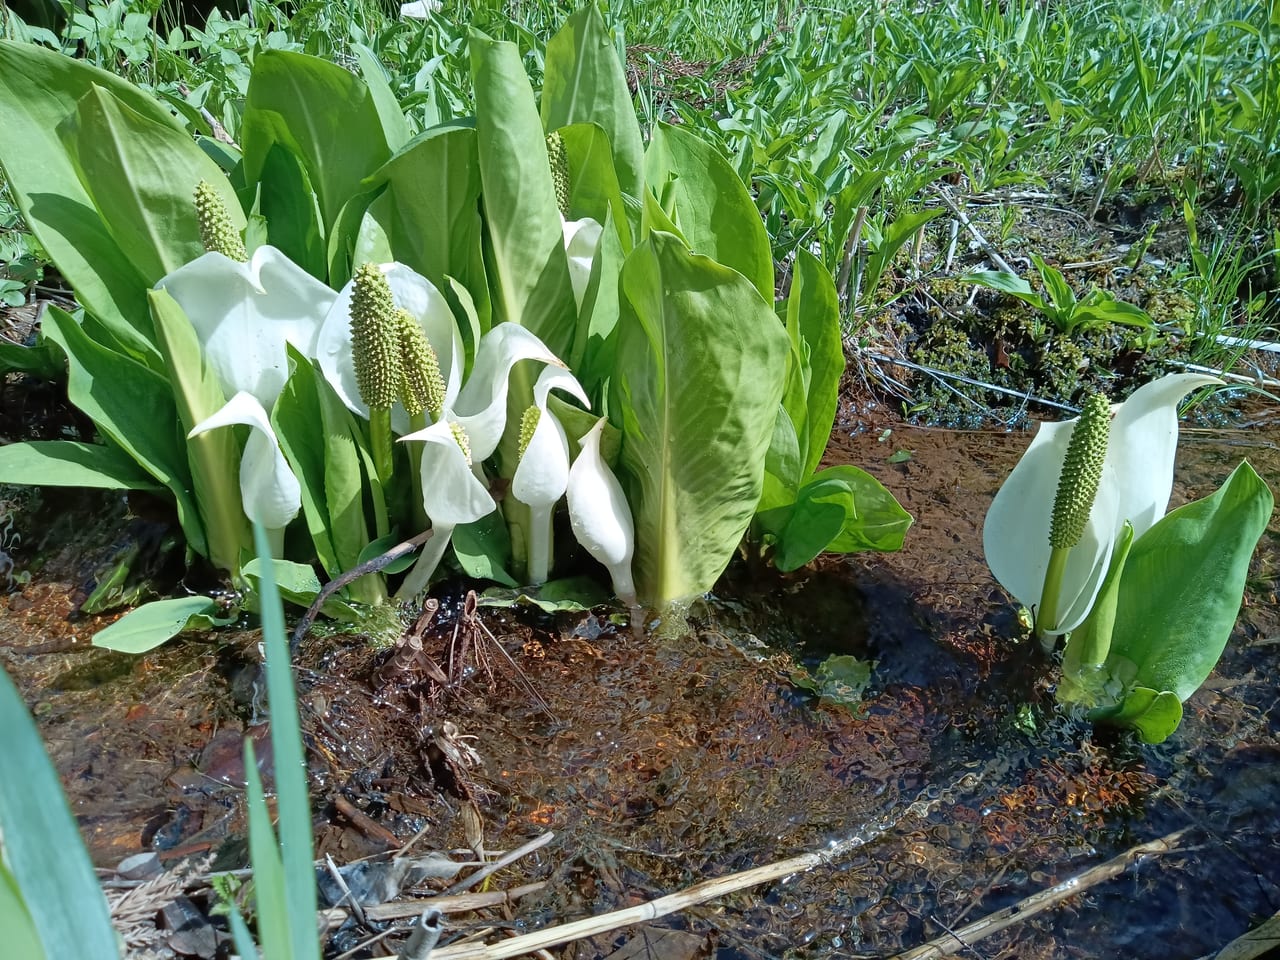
[485, 291]
[1078, 534]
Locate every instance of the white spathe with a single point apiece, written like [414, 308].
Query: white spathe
[581, 240]
[246, 316]
[419, 297]
[478, 408]
[542, 475]
[269, 490]
[1137, 479]
[600, 516]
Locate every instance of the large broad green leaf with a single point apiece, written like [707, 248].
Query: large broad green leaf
[321, 113]
[286, 202]
[45, 855]
[593, 183]
[429, 209]
[1181, 588]
[843, 510]
[39, 90]
[696, 395]
[66, 463]
[713, 209]
[395, 126]
[813, 323]
[135, 408]
[213, 456]
[142, 176]
[527, 262]
[583, 82]
[151, 624]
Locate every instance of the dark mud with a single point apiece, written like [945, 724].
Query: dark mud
[659, 762]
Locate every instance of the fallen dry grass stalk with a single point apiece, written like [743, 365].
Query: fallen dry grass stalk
[641, 913]
[965, 937]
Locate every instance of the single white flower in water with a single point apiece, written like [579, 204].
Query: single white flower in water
[1137, 480]
[600, 516]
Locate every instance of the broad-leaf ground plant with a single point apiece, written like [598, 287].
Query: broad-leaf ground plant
[1079, 535]
[345, 333]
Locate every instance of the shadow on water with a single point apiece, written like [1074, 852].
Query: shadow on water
[659, 763]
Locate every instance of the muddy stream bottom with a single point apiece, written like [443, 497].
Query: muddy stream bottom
[662, 761]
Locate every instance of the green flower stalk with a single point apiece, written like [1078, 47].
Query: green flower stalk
[422, 391]
[375, 353]
[559, 161]
[422, 385]
[1077, 490]
[217, 232]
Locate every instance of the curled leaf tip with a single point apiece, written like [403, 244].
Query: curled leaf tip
[375, 340]
[217, 232]
[1081, 473]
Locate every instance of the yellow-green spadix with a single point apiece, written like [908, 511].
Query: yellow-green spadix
[1136, 482]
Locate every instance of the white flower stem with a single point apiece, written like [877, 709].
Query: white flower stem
[420, 521]
[538, 559]
[432, 552]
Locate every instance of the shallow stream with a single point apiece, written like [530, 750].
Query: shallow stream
[659, 762]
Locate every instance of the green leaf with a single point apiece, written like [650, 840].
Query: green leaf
[841, 678]
[213, 456]
[784, 464]
[813, 323]
[1009, 283]
[146, 627]
[694, 434]
[1154, 715]
[297, 582]
[568, 595]
[39, 90]
[527, 261]
[66, 463]
[395, 128]
[135, 408]
[483, 549]
[142, 176]
[289, 207]
[322, 114]
[842, 510]
[20, 934]
[1181, 588]
[45, 856]
[594, 190]
[429, 208]
[584, 82]
[713, 209]
[299, 427]
[40, 360]
[291, 890]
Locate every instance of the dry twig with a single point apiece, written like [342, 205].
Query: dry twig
[965, 937]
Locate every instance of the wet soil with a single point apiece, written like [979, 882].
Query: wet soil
[662, 760]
